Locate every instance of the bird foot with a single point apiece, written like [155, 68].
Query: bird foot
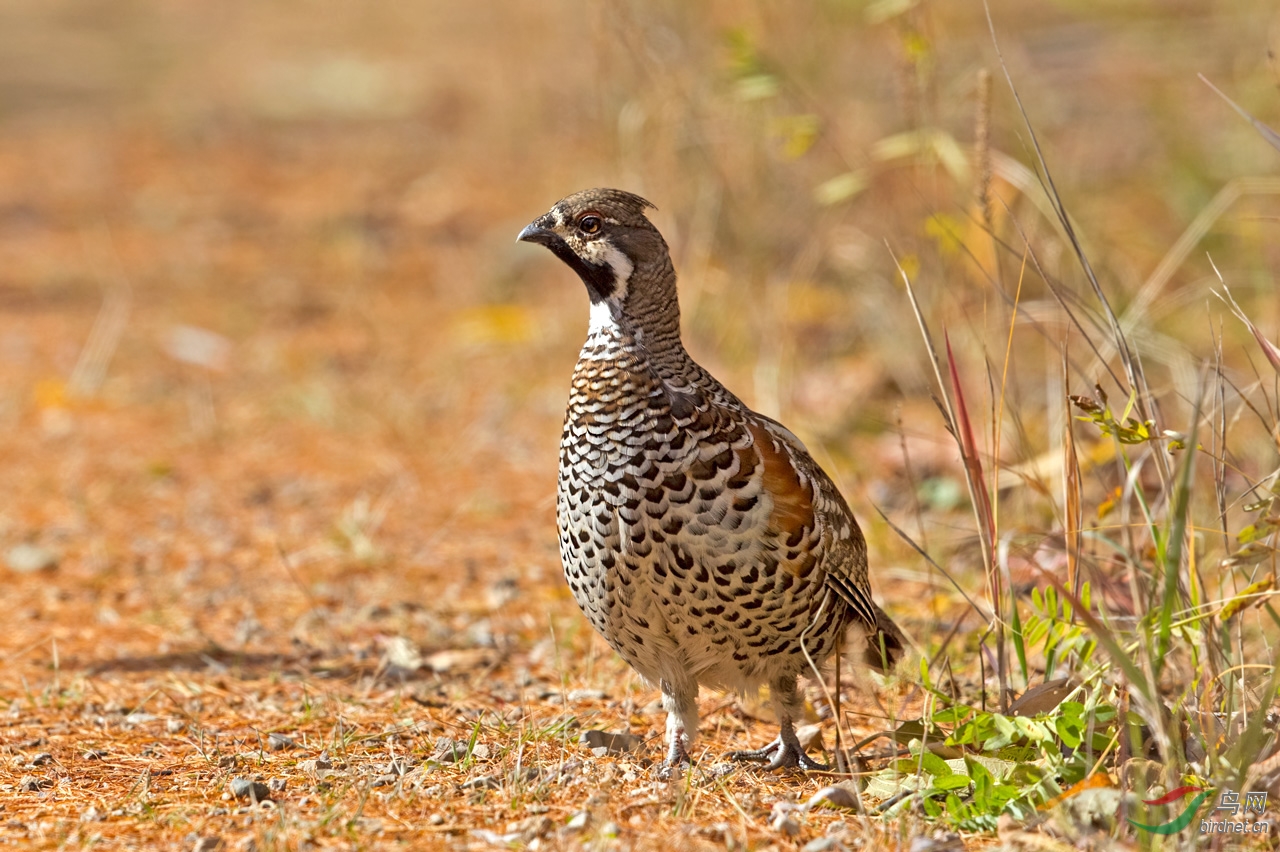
[781, 755]
[676, 764]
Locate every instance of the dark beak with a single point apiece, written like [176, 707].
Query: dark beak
[597, 276]
[538, 232]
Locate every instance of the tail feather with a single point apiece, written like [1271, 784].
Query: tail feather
[885, 642]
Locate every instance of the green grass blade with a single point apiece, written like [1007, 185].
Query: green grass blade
[1174, 545]
[1019, 646]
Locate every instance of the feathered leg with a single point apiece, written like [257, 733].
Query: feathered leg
[680, 700]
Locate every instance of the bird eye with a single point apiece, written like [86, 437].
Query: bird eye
[589, 224]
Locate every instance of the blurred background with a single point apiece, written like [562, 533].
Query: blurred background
[273, 368]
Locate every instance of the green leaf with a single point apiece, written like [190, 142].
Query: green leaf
[1038, 633]
[952, 782]
[1031, 729]
[934, 765]
[1073, 710]
[1019, 648]
[952, 715]
[1005, 731]
[1104, 713]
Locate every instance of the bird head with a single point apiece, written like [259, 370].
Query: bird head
[604, 236]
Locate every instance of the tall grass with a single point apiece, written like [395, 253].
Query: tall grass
[1125, 546]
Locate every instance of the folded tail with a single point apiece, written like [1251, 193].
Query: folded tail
[885, 642]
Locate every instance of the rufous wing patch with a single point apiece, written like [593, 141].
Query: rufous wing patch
[792, 517]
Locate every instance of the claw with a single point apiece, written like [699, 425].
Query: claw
[781, 755]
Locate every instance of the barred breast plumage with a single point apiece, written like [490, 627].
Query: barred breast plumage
[700, 538]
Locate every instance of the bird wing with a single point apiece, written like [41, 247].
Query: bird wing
[808, 504]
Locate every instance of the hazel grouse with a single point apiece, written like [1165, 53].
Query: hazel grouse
[700, 538]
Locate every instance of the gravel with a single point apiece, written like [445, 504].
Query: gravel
[280, 742]
[30, 558]
[33, 784]
[604, 742]
[449, 750]
[246, 788]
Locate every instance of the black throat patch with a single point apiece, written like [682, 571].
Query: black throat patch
[598, 277]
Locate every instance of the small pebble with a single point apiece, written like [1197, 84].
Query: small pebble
[484, 782]
[785, 825]
[829, 843]
[316, 765]
[280, 742]
[449, 750]
[244, 788]
[33, 784]
[385, 780]
[604, 742]
[41, 759]
[94, 754]
[587, 695]
[492, 838]
[278, 785]
[940, 841]
[468, 659]
[835, 796]
[402, 654]
[30, 558]
[577, 822]
[435, 819]
[810, 737]
[531, 828]
[207, 844]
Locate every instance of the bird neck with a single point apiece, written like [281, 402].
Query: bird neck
[643, 314]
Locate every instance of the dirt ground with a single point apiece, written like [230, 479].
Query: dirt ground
[280, 397]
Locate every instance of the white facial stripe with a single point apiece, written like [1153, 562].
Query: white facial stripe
[621, 266]
[604, 314]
